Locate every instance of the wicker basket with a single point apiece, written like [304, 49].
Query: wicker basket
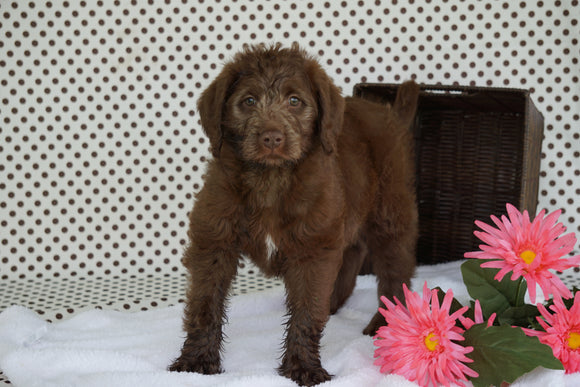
[476, 150]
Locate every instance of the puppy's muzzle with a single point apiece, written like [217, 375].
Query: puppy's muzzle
[272, 139]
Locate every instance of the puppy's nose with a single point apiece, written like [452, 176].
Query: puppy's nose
[272, 139]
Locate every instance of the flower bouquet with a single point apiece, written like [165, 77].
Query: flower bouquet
[432, 339]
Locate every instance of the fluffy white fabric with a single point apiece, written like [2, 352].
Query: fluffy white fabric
[109, 348]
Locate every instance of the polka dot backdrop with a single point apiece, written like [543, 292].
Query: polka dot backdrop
[101, 150]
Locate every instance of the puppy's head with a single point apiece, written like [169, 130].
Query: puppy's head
[273, 105]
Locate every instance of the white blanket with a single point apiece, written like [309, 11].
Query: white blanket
[108, 348]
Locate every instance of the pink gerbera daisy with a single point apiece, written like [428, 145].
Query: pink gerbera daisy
[478, 316]
[528, 249]
[419, 340]
[562, 332]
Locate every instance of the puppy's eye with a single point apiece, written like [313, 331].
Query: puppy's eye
[250, 101]
[294, 101]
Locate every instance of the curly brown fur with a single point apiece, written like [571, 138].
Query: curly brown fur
[307, 184]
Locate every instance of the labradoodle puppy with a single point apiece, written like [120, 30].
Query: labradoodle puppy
[308, 185]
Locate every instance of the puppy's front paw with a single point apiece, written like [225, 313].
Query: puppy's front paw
[192, 364]
[304, 376]
[376, 322]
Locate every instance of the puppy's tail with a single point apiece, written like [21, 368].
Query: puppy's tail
[405, 105]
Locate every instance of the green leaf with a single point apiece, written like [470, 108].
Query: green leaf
[494, 296]
[503, 354]
[522, 316]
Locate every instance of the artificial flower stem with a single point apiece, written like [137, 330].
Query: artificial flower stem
[520, 288]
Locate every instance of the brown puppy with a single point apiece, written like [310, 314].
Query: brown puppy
[308, 185]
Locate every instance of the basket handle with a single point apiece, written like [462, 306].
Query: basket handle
[447, 90]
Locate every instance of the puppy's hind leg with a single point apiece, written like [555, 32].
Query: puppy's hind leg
[392, 253]
[352, 260]
[392, 230]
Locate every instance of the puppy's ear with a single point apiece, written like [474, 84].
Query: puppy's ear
[330, 106]
[210, 106]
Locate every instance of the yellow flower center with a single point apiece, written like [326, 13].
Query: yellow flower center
[431, 342]
[528, 256]
[574, 340]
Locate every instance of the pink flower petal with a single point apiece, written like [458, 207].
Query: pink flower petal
[558, 326]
